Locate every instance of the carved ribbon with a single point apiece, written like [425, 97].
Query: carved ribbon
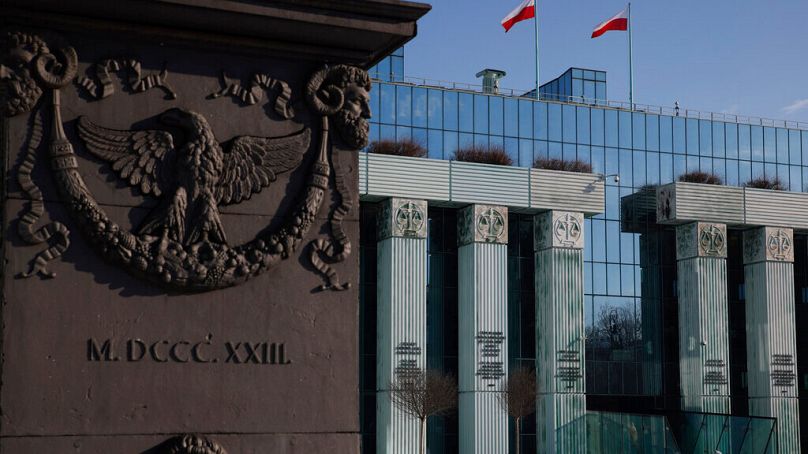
[255, 92]
[325, 246]
[105, 88]
[36, 207]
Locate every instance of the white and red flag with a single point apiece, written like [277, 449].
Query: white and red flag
[617, 23]
[525, 10]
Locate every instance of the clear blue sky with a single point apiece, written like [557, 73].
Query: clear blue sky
[733, 56]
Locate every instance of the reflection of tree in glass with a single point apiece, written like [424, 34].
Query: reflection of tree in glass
[423, 394]
[615, 328]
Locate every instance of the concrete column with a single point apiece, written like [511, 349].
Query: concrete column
[561, 401]
[401, 316]
[483, 327]
[701, 251]
[771, 349]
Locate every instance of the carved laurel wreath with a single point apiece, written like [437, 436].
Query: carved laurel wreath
[168, 259]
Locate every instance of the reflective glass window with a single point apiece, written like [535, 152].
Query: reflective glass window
[744, 171]
[583, 125]
[554, 150]
[403, 132]
[666, 134]
[387, 132]
[449, 144]
[403, 105]
[554, 121]
[769, 145]
[540, 120]
[525, 153]
[397, 68]
[625, 129]
[419, 112]
[382, 69]
[665, 168]
[373, 134]
[720, 169]
[705, 138]
[568, 123]
[679, 135]
[495, 117]
[627, 243]
[419, 136]
[804, 135]
[757, 170]
[598, 160]
[466, 112]
[731, 140]
[744, 142]
[732, 173]
[435, 108]
[612, 162]
[600, 91]
[718, 140]
[626, 173]
[584, 153]
[569, 152]
[639, 168]
[652, 168]
[795, 181]
[692, 134]
[611, 128]
[757, 143]
[577, 88]
[466, 140]
[706, 165]
[638, 128]
[481, 140]
[589, 91]
[613, 239]
[435, 144]
[512, 148]
[540, 149]
[769, 170]
[794, 148]
[599, 284]
[596, 126]
[651, 132]
[782, 146]
[511, 117]
[679, 166]
[387, 111]
[450, 114]
[481, 114]
[783, 174]
[525, 119]
[693, 163]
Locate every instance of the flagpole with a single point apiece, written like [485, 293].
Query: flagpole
[630, 62]
[536, 27]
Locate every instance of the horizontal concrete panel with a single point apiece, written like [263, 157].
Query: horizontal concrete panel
[399, 176]
[685, 202]
[776, 208]
[453, 183]
[679, 203]
[490, 184]
[566, 191]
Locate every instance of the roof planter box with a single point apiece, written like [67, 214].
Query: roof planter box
[678, 203]
[455, 183]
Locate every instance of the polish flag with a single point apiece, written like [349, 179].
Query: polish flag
[525, 10]
[618, 23]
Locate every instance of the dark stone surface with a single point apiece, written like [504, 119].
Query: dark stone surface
[58, 394]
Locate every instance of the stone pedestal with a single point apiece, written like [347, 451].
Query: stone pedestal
[483, 327]
[561, 402]
[401, 313]
[701, 251]
[771, 351]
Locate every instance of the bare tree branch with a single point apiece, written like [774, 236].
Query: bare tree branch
[518, 395]
[424, 393]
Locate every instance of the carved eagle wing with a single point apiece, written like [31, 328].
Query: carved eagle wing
[252, 163]
[138, 157]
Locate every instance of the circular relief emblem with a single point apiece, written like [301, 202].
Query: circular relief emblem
[567, 230]
[409, 218]
[490, 225]
[712, 240]
[779, 244]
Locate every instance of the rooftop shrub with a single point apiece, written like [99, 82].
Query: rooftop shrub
[484, 155]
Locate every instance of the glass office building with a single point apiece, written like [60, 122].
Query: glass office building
[632, 349]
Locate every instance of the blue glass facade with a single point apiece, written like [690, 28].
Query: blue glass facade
[629, 352]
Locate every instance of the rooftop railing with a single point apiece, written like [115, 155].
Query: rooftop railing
[621, 105]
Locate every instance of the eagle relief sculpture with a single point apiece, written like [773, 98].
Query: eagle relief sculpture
[182, 244]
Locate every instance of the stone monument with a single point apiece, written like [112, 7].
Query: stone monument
[179, 211]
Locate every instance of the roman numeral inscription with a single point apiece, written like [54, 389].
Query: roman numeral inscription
[187, 351]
